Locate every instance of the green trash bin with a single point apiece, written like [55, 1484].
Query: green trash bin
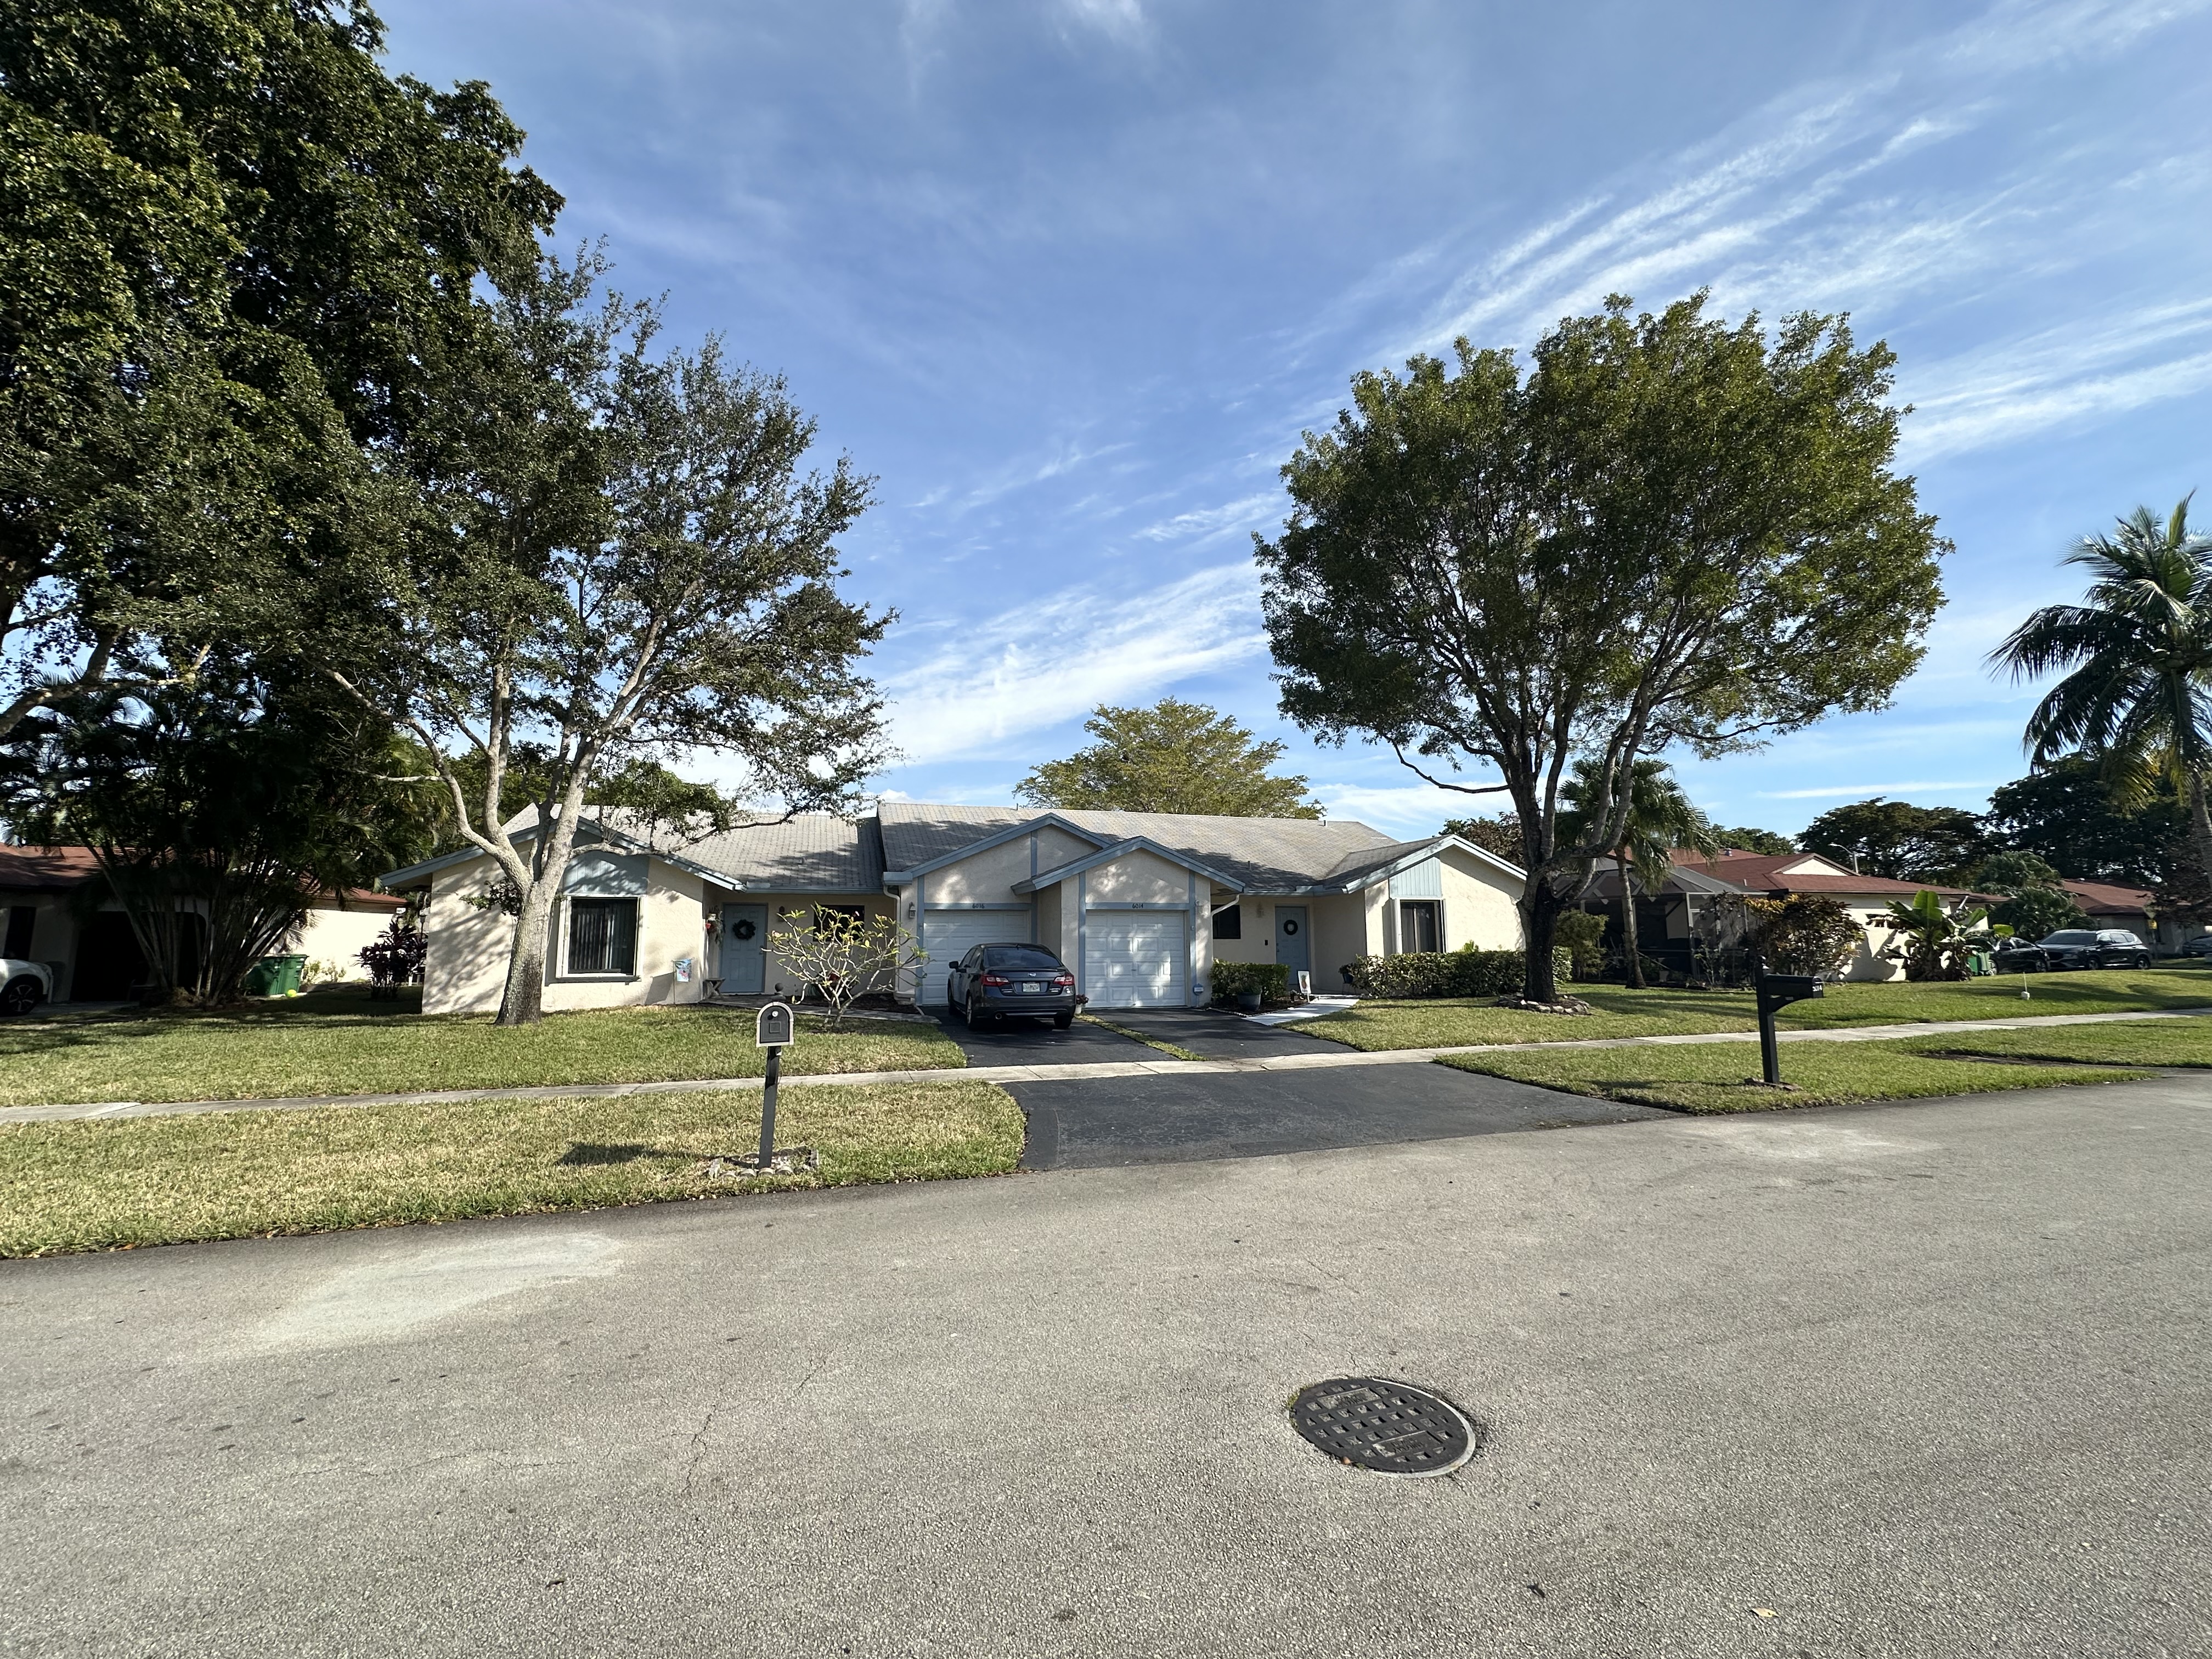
[275, 976]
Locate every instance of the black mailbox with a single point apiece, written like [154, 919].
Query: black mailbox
[1776, 989]
[773, 1031]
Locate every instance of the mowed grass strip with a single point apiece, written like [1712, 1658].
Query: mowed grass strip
[2180, 1042]
[107, 1185]
[338, 1042]
[1622, 1013]
[1724, 1077]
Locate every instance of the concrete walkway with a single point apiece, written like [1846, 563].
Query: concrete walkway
[1098, 1071]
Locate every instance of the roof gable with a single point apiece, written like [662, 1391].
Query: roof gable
[1121, 849]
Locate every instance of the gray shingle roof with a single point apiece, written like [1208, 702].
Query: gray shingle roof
[821, 853]
[1266, 854]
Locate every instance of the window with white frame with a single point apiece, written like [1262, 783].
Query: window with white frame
[1420, 924]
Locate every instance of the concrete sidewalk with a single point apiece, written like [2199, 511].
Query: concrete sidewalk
[1088, 1071]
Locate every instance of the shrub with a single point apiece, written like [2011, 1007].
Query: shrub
[1462, 973]
[1581, 936]
[1271, 979]
[1806, 934]
[394, 958]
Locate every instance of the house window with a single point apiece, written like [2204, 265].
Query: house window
[602, 936]
[1229, 923]
[1420, 924]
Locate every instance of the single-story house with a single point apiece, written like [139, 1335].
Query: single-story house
[55, 909]
[1140, 905]
[1667, 920]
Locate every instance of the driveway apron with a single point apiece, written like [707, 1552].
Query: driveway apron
[1217, 1037]
[1165, 1119]
[1037, 1042]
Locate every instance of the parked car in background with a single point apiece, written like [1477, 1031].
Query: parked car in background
[1011, 981]
[2080, 947]
[2019, 956]
[2199, 946]
[24, 985]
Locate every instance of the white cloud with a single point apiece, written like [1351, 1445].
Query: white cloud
[1864, 791]
[1408, 810]
[1053, 658]
[1118, 20]
[1212, 520]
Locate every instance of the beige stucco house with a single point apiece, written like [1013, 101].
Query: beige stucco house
[1140, 905]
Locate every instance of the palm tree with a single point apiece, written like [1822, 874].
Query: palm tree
[2140, 646]
[1661, 818]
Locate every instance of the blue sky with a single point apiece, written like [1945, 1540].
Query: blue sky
[1070, 278]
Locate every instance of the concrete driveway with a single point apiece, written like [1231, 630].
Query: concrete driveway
[1924, 1380]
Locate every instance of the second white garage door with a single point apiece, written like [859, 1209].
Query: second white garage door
[948, 935]
[1135, 959]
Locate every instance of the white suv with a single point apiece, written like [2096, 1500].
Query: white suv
[23, 985]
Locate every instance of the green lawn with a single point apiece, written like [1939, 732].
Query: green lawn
[1723, 1077]
[1622, 1013]
[106, 1185]
[2151, 1042]
[338, 1042]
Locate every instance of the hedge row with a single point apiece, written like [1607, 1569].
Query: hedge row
[1271, 979]
[1446, 973]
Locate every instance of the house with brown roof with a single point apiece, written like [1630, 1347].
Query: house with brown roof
[1140, 905]
[56, 908]
[2112, 904]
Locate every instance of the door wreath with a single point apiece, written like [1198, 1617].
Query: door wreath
[1289, 928]
[744, 930]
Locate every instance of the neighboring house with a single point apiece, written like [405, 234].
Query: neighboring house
[2108, 904]
[1666, 920]
[1140, 905]
[57, 910]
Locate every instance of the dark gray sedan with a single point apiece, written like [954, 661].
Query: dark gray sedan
[1011, 981]
[2081, 947]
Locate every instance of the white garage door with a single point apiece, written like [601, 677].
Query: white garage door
[948, 935]
[1135, 959]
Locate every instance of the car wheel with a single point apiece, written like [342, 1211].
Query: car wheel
[21, 995]
[1061, 1022]
[977, 1020]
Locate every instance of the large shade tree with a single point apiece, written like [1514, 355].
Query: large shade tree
[1896, 839]
[1175, 756]
[620, 559]
[1665, 530]
[233, 252]
[2135, 697]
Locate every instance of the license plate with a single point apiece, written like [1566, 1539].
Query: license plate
[1032, 990]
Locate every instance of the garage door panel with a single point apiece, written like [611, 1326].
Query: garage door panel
[948, 935]
[1135, 959]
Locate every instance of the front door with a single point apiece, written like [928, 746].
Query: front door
[745, 950]
[1293, 946]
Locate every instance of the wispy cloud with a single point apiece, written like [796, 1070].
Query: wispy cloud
[1052, 658]
[1865, 791]
[1201, 522]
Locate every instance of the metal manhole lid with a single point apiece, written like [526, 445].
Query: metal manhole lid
[1392, 1428]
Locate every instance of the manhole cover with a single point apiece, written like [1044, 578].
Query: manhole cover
[1392, 1428]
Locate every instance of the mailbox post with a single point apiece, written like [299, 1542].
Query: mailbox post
[1774, 991]
[773, 1031]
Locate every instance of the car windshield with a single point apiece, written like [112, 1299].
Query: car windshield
[2071, 938]
[1023, 959]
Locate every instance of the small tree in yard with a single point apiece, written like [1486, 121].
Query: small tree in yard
[1934, 943]
[1668, 532]
[1804, 933]
[395, 958]
[619, 559]
[844, 957]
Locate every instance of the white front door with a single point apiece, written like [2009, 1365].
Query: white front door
[1135, 959]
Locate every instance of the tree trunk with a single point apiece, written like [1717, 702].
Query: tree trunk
[2200, 823]
[1629, 941]
[1540, 929]
[524, 1001]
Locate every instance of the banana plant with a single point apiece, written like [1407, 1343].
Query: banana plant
[1932, 942]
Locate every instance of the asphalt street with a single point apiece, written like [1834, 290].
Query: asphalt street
[1923, 1380]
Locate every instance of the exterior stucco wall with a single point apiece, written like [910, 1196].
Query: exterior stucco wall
[1137, 877]
[334, 938]
[789, 910]
[466, 966]
[1481, 904]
